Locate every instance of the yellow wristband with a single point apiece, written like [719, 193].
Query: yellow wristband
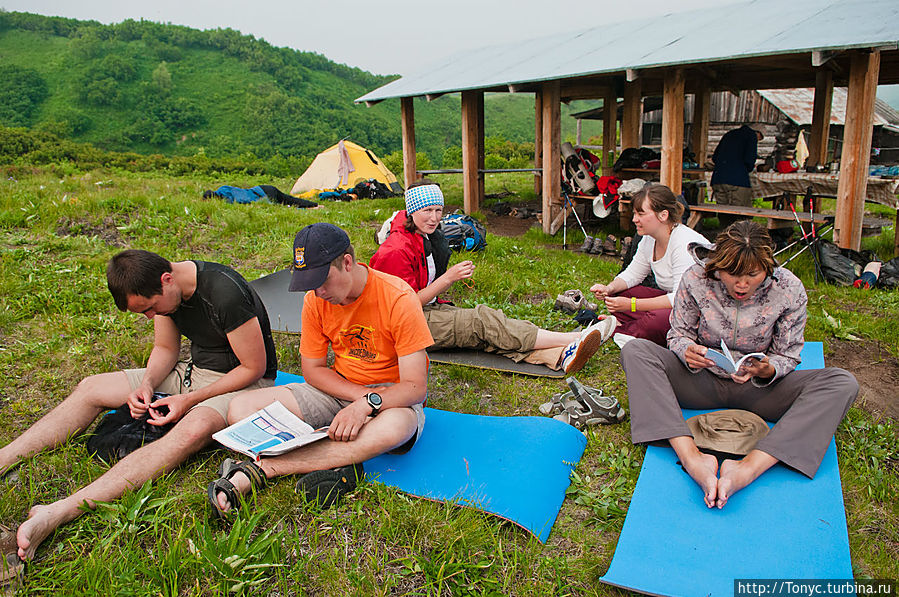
[633, 304]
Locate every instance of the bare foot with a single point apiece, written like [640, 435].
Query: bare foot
[240, 482]
[42, 520]
[703, 468]
[735, 475]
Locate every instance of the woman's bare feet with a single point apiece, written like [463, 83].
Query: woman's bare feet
[703, 468]
[737, 474]
[42, 520]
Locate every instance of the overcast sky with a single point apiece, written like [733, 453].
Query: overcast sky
[380, 36]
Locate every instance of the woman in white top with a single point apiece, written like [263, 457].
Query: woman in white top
[641, 311]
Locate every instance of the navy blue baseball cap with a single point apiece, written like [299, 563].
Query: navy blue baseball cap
[314, 248]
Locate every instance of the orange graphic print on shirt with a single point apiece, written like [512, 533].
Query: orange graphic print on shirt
[359, 343]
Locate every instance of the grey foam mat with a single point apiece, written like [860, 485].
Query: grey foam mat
[489, 360]
[284, 308]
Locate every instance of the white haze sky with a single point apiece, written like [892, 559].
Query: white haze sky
[380, 36]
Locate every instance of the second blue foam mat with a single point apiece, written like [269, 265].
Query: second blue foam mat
[515, 467]
[783, 525]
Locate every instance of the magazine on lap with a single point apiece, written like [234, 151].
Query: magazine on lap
[270, 431]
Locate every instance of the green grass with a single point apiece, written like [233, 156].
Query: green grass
[57, 323]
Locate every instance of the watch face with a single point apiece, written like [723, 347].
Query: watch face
[374, 400]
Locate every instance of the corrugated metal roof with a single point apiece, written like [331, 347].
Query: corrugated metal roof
[750, 29]
[798, 105]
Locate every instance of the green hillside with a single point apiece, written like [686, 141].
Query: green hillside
[160, 88]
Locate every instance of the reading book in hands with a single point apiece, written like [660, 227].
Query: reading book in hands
[268, 432]
[725, 359]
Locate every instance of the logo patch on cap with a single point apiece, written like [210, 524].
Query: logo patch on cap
[299, 257]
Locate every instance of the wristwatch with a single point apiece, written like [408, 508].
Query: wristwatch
[374, 401]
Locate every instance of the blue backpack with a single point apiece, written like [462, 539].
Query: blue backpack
[463, 233]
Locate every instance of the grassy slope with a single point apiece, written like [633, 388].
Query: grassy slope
[57, 324]
[222, 87]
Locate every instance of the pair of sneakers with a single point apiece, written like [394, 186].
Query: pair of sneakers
[576, 354]
[572, 301]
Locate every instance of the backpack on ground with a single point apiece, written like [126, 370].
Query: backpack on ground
[463, 233]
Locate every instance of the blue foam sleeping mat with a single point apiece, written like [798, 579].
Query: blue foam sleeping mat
[783, 525]
[514, 467]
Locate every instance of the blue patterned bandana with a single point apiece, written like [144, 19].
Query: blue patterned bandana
[421, 197]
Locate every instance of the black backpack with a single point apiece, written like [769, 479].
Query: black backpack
[117, 434]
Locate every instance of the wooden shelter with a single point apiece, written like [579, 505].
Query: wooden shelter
[761, 44]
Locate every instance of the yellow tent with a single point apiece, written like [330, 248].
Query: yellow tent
[343, 166]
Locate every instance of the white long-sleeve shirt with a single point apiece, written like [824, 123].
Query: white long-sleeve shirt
[670, 267]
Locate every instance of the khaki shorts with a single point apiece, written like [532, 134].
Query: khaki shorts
[199, 378]
[319, 409]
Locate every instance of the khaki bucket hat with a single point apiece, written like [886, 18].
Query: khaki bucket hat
[731, 431]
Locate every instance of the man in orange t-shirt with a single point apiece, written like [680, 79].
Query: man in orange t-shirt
[372, 398]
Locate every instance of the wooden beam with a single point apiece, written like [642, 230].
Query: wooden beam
[673, 130]
[699, 141]
[407, 119]
[631, 75]
[820, 132]
[863, 74]
[538, 140]
[586, 90]
[551, 160]
[472, 142]
[432, 96]
[632, 114]
[820, 57]
[609, 131]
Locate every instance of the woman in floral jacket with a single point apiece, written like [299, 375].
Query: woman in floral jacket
[738, 295]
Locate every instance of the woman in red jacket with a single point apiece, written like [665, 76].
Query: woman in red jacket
[417, 252]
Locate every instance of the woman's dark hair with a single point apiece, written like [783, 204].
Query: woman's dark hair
[135, 273]
[741, 248]
[659, 198]
[409, 225]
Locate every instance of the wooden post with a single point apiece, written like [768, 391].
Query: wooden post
[820, 132]
[481, 151]
[538, 140]
[864, 71]
[551, 139]
[673, 130]
[699, 141]
[472, 142]
[632, 114]
[609, 130]
[410, 173]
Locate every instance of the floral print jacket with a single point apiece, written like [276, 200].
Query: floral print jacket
[771, 321]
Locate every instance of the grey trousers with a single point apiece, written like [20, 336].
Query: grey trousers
[807, 405]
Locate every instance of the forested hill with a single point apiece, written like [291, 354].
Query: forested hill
[161, 88]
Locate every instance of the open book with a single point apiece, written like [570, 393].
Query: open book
[268, 432]
[725, 360]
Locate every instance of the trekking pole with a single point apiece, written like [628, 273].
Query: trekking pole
[574, 211]
[802, 250]
[808, 244]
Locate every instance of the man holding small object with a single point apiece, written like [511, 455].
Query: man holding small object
[231, 350]
[372, 398]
